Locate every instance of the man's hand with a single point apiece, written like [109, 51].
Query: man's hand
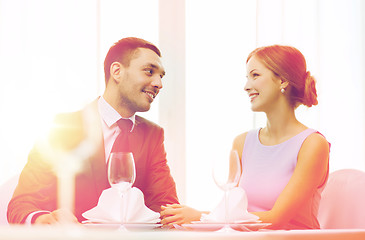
[56, 217]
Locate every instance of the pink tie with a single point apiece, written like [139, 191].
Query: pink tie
[121, 143]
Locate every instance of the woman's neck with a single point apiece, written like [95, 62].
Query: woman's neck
[281, 125]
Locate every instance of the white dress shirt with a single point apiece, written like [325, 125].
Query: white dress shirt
[109, 117]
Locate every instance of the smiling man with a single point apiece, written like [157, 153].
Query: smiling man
[133, 77]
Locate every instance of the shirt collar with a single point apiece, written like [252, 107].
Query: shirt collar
[109, 115]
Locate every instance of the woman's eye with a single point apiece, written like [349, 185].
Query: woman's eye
[255, 75]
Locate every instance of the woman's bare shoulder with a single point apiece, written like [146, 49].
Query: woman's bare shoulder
[239, 142]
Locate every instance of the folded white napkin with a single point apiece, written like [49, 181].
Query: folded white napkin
[237, 209]
[114, 207]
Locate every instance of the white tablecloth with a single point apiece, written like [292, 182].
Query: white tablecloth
[83, 233]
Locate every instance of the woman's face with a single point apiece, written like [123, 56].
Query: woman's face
[263, 86]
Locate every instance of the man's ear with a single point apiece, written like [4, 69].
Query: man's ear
[116, 71]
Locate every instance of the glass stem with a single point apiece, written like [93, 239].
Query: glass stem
[226, 207]
[124, 217]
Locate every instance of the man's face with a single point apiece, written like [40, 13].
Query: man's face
[141, 81]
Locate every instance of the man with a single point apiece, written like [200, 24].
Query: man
[133, 74]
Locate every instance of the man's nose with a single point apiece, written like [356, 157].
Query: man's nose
[157, 82]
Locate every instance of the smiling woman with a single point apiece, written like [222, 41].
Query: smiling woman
[217, 106]
[284, 163]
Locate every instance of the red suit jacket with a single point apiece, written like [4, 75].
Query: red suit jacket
[37, 187]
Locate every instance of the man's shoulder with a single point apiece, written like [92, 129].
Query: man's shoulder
[68, 118]
[77, 118]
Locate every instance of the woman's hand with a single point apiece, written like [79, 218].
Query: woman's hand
[178, 214]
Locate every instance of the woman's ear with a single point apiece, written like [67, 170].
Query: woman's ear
[116, 71]
[284, 84]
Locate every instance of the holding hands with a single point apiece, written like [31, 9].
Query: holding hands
[178, 214]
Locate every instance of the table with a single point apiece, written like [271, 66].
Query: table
[81, 233]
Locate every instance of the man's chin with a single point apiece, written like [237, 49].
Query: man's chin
[144, 109]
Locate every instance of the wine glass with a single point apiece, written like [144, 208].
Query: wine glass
[121, 174]
[226, 176]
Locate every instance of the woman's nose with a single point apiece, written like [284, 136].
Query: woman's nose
[247, 86]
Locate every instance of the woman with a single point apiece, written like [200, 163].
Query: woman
[284, 164]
